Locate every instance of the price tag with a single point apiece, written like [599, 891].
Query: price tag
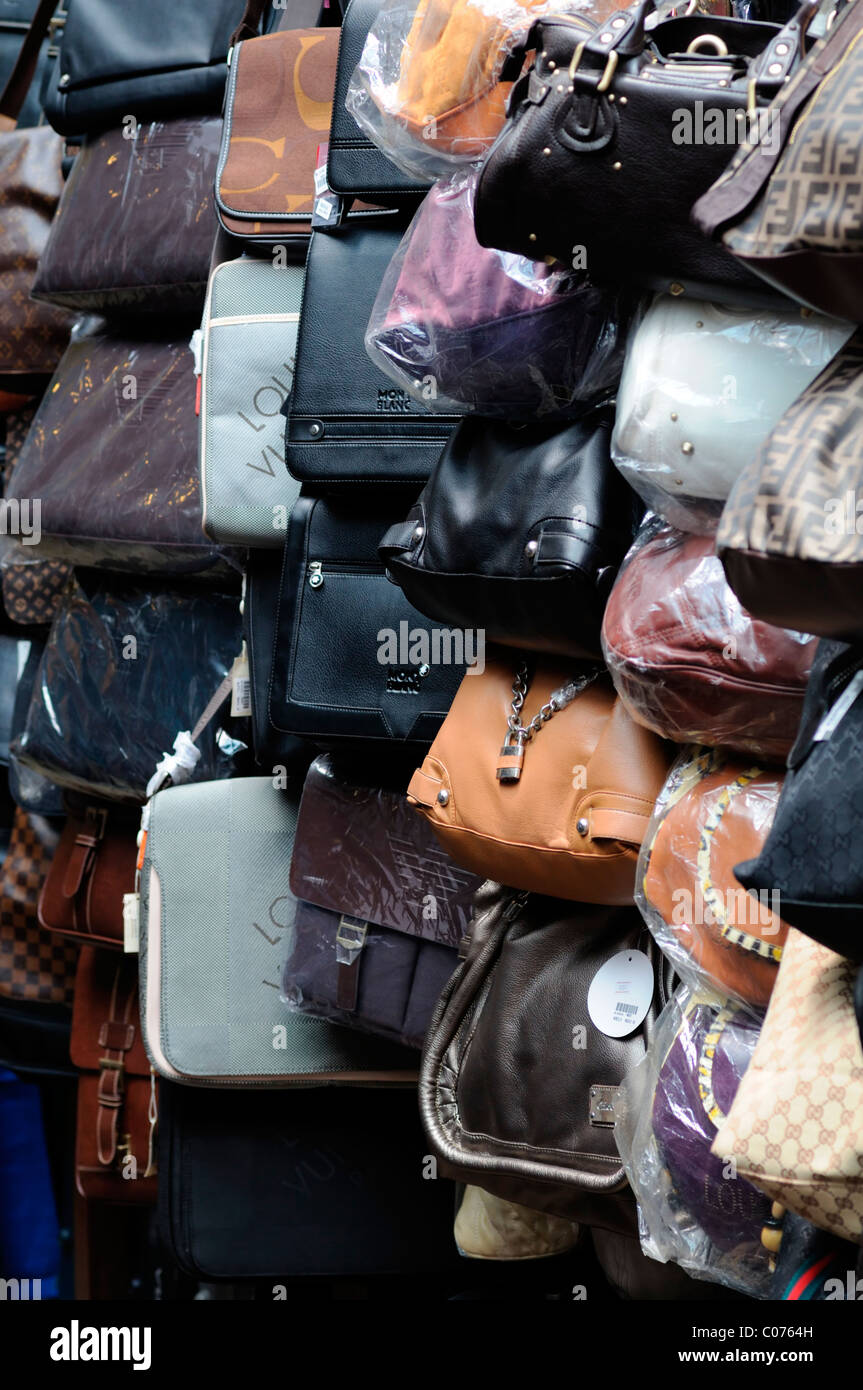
[241, 686]
[835, 716]
[620, 994]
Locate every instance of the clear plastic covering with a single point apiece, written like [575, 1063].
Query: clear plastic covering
[123, 672]
[428, 88]
[702, 388]
[693, 1208]
[712, 813]
[463, 327]
[689, 662]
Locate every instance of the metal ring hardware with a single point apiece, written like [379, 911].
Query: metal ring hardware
[610, 66]
[710, 43]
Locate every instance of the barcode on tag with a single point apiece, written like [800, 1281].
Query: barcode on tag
[625, 1010]
[241, 697]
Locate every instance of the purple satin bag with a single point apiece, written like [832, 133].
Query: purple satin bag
[461, 326]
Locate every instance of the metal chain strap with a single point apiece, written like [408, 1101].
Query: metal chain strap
[557, 701]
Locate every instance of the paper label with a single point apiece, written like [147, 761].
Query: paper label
[131, 922]
[834, 717]
[241, 687]
[620, 994]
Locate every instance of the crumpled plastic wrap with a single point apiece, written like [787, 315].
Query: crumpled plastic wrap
[693, 1208]
[462, 327]
[124, 670]
[108, 474]
[713, 812]
[702, 387]
[689, 662]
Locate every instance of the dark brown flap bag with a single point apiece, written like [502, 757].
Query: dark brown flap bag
[93, 867]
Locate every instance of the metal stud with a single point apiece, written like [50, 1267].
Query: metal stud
[699, 323]
[774, 69]
[617, 164]
[531, 548]
[674, 415]
[782, 48]
[675, 288]
[624, 100]
[552, 67]
[418, 533]
[582, 825]
[618, 23]
[687, 447]
[443, 798]
[316, 429]
[423, 671]
[547, 150]
[64, 80]
[611, 96]
[532, 236]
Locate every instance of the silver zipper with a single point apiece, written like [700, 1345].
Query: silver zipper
[316, 578]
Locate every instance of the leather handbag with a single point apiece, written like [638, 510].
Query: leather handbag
[542, 780]
[794, 1127]
[604, 108]
[32, 592]
[702, 387]
[115, 1143]
[351, 659]
[346, 424]
[785, 208]
[810, 856]
[693, 665]
[112, 458]
[92, 868]
[216, 919]
[518, 1084]
[28, 788]
[788, 536]
[712, 812]
[247, 346]
[34, 965]
[381, 909]
[519, 531]
[15, 18]
[134, 229]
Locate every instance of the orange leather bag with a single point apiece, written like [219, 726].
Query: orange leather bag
[714, 813]
[570, 825]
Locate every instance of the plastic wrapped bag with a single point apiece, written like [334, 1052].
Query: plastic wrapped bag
[689, 662]
[463, 327]
[693, 1208]
[429, 88]
[712, 813]
[702, 388]
[123, 672]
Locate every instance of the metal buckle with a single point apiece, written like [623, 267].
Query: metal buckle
[610, 66]
[359, 928]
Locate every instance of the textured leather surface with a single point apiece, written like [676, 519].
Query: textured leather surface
[590, 758]
[263, 585]
[354, 165]
[346, 423]
[32, 336]
[329, 681]
[504, 1093]
[602, 167]
[463, 553]
[92, 868]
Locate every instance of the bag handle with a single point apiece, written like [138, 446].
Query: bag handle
[15, 92]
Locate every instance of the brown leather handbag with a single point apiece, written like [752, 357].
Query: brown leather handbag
[518, 1086]
[93, 867]
[33, 964]
[115, 1158]
[546, 784]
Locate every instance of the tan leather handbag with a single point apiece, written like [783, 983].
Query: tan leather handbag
[578, 781]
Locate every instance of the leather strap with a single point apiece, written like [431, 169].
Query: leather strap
[116, 1036]
[424, 789]
[15, 92]
[563, 548]
[398, 538]
[350, 941]
[609, 824]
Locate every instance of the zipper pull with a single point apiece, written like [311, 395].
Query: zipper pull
[316, 578]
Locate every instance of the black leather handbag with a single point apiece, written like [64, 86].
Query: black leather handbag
[811, 856]
[351, 658]
[520, 530]
[610, 141]
[356, 168]
[346, 422]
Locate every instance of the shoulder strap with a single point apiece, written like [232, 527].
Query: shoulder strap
[16, 89]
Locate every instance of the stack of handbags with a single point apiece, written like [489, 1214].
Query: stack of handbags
[689, 662]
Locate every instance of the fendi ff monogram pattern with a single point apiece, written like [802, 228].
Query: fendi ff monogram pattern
[815, 195]
[34, 964]
[796, 1126]
[783, 501]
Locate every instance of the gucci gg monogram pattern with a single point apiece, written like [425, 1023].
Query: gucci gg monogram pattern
[795, 1128]
[785, 501]
[814, 198]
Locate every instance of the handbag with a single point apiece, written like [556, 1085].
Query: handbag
[702, 387]
[519, 531]
[346, 424]
[810, 857]
[711, 811]
[216, 914]
[381, 909]
[490, 1228]
[689, 662]
[787, 209]
[788, 536]
[28, 789]
[794, 1127]
[112, 458]
[123, 671]
[575, 167]
[93, 867]
[518, 1082]
[351, 659]
[115, 1141]
[247, 345]
[542, 780]
[461, 327]
[134, 229]
[15, 20]
[33, 964]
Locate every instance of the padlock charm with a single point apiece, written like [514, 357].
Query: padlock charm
[511, 759]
